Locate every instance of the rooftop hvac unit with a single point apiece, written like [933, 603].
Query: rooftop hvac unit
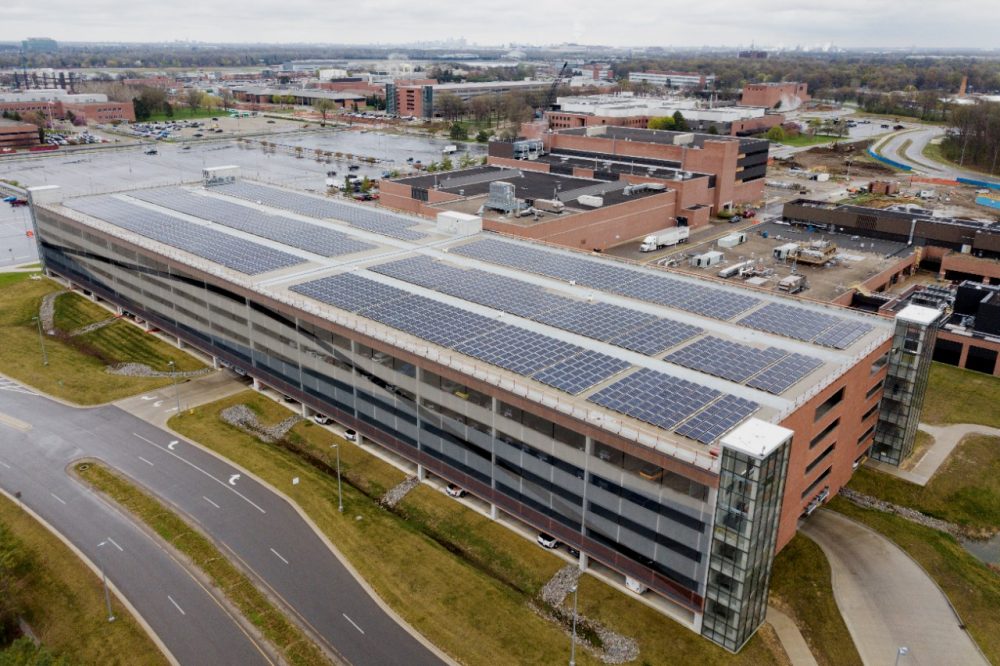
[502, 197]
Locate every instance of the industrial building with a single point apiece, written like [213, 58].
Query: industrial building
[676, 80]
[419, 99]
[58, 103]
[784, 95]
[674, 430]
[299, 96]
[628, 110]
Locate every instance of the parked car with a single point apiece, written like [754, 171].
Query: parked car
[321, 419]
[455, 491]
[152, 151]
[547, 540]
[572, 551]
[351, 435]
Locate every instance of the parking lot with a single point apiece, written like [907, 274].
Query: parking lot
[15, 246]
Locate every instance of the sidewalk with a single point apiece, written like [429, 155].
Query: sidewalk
[946, 438]
[157, 406]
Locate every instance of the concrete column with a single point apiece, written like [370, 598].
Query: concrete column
[180, 344]
[305, 411]
[119, 310]
[215, 363]
[964, 355]
[92, 297]
[256, 384]
[494, 514]
[146, 325]
[584, 561]
[421, 474]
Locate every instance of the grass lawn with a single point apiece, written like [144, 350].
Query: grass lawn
[461, 580]
[294, 646]
[965, 490]
[933, 151]
[957, 395]
[186, 113]
[801, 586]
[807, 140]
[972, 588]
[63, 600]
[76, 365]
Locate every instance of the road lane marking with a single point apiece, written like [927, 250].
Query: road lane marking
[115, 544]
[61, 500]
[4, 464]
[211, 502]
[16, 424]
[355, 624]
[172, 444]
[279, 556]
[176, 605]
[146, 461]
[191, 464]
[233, 479]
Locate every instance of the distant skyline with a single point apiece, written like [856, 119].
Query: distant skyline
[771, 23]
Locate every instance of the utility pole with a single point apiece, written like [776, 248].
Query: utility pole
[104, 580]
[177, 390]
[41, 341]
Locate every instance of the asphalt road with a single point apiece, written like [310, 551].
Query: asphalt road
[913, 155]
[256, 526]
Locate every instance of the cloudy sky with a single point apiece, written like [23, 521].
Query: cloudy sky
[847, 23]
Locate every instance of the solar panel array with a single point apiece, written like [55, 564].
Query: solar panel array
[236, 253]
[722, 358]
[715, 420]
[802, 324]
[782, 375]
[356, 215]
[303, 235]
[662, 289]
[618, 325]
[559, 364]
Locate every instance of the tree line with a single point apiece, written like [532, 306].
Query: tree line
[973, 139]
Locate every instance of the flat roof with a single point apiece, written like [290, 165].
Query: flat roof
[670, 361]
[918, 314]
[665, 137]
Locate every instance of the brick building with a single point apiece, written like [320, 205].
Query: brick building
[15, 135]
[418, 99]
[676, 80]
[59, 104]
[784, 96]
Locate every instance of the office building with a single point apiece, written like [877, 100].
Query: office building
[675, 80]
[421, 100]
[57, 103]
[673, 429]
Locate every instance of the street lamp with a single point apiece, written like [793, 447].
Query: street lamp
[41, 341]
[177, 390]
[901, 652]
[104, 580]
[572, 644]
[340, 491]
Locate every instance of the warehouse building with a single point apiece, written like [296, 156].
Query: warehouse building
[422, 100]
[676, 80]
[673, 429]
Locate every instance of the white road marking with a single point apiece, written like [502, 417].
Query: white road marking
[172, 444]
[15, 423]
[211, 502]
[188, 462]
[61, 500]
[278, 555]
[146, 461]
[148, 397]
[176, 605]
[4, 464]
[113, 543]
[171, 409]
[353, 623]
[233, 479]
[158, 403]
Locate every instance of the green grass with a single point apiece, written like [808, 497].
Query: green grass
[186, 113]
[460, 579]
[807, 140]
[965, 490]
[972, 587]
[801, 586]
[293, 644]
[63, 600]
[72, 311]
[76, 368]
[957, 395]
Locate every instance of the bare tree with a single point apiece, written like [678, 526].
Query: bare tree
[324, 107]
[193, 98]
[450, 106]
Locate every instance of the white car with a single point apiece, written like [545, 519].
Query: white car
[455, 491]
[321, 419]
[547, 541]
[351, 435]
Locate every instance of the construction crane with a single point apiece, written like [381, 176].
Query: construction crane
[550, 99]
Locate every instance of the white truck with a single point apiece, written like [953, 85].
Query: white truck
[665, 238]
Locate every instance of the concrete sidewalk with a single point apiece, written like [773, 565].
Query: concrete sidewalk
[946, 438]
[887, 600]
[791, 638]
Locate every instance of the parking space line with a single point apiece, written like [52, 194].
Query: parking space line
[176, 605]
[211, 502]
[278, 555]
[115, 544]
[61, 500]
[353, 623]
[146, 461]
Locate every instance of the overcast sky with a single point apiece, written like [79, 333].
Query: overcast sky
[846, 23]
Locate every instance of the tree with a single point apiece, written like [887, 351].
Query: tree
[483, 136]
[153, 99]
[446, 164]
[324, 107]
[680, 124]
[712, 129]
[661, 123]
[450, 106]
[142, 111]
[227, 98]
[458, 132]
[776, 133]
[193, 99]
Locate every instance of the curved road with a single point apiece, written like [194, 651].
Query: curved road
[913, 155]
[887, 600]
[40, 437]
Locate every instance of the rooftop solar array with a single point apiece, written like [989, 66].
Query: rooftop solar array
[559, 364]
[235, 253]
[782, 319]
[785, 373]
[802, 324]
[356, 215]
[662, 289]
[618, 325]
[303, 235]
[722, 358]
[716, 420]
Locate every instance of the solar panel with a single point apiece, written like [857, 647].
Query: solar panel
[600, 321]
[578, 373]
[435, 322]
[348, 291]
[723, 358]
[656, 336]
[303, 235]
[785, 373]
[654, 397]
[236, 253]
[519, 350]
[717, 419]
[802, 324]
[356, 215]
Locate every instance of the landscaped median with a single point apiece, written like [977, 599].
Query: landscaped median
[43, 582]
[74, 367]
[288, 638]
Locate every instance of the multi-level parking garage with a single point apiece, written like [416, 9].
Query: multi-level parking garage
[673, 429]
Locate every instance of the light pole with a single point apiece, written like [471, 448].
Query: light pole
[104, 580]
[900, 652]
[41, 341]
[340, 492]
[177, 390]
[572, 644]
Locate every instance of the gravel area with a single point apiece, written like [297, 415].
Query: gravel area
[399, 491]
[246, 420]
[615, 648]
[47, 311]
[143, 370]
[914, 516]
[89, 328]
